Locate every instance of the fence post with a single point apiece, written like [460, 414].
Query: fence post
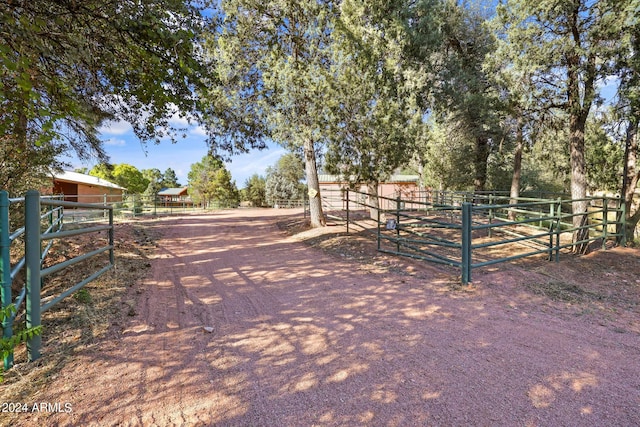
[398, 207]
[551, 227]
[5, 270]
[490, 230]
[32, 261]
[112, 256]
[378, 229]
[605, 222]
[623, 220]
[304, 204]
[347, 196]
[466, 243]
[558, 229]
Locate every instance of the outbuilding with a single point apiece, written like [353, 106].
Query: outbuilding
[175, 197]
[79, 187]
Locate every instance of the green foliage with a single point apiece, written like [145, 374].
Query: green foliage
[273, 69]
[7, 345]
[122, 174]
[154, 176]
[169, 179]
[604, 156]
[283, 180]
[210, 181]
[83, 296]
[103, 171]
[565, 48]
[255, 191]
[27, 167]
[371, 126]
[451, 42]
[65, 67]
[130, 177]
[225, 191]
[446, 159]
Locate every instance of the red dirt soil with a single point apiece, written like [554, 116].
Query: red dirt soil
[240, 324]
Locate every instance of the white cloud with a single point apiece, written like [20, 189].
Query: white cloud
[115, 142]
[198, 131]
[115, 128]
[179, 122]
[177, 119]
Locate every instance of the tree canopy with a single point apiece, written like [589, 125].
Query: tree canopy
[361, 88]
[255, 191]
[210, 181]
[282, 183]
[123, 174]
[67, 66]
[272, 64]
[568, 47]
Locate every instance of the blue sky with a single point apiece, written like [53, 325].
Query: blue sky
[123, 146]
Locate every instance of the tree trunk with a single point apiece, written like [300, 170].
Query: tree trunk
[578, 181]
[517, 170]
[579, 104]
[480, 163]
[315, 202]
[374, 204]
[630, 179]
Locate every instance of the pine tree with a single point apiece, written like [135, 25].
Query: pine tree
[273, 67]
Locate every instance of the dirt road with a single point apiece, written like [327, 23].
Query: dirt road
[239, 324]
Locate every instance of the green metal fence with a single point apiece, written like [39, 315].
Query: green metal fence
[473, 230]
[43, 221]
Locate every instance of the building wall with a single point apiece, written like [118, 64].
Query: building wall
[83, 193]
[71, 188]
[95, 194]
[332, 193]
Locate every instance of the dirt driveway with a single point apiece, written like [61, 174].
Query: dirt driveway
[240, 324]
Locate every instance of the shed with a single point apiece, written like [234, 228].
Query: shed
[397, 185]
[79, 187]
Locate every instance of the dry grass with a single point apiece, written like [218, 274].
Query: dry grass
[565, 292]
[82, 320]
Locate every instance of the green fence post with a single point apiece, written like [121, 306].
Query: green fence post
[490, 229]
[466, 243]
[32, 261]
[5, 270]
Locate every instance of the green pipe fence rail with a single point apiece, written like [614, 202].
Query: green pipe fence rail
[40, 227]
[473, 230]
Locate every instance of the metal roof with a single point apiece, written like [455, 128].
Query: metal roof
[81, 178]
[393, 178]
[172, 191]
